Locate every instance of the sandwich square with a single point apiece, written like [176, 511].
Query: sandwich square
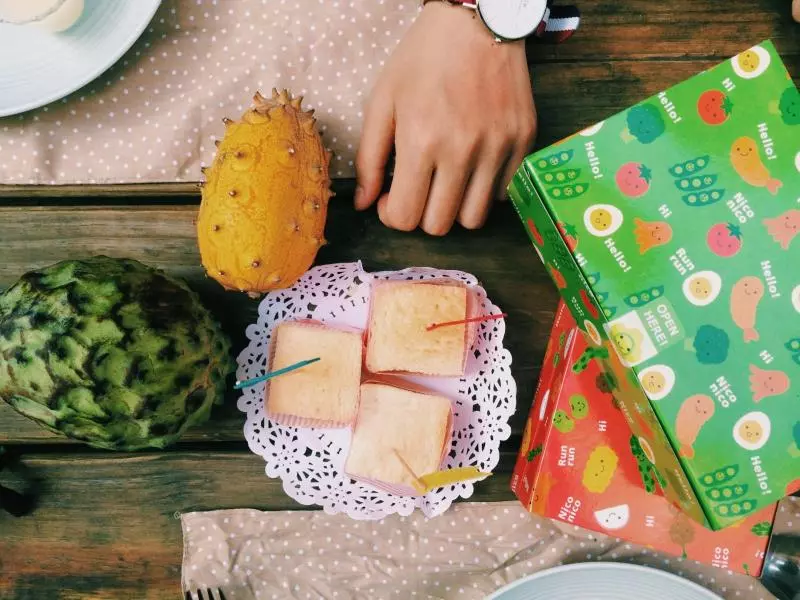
[398, 339]
[394, 421]
[323, 394]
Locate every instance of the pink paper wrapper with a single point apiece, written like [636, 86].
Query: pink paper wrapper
[470, 331]
[288, 420]
[403, 384]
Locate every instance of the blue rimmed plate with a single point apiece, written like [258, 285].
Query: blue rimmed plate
[38, 67]
[603, 581]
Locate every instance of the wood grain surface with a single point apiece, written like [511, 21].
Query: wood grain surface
[108, 526]
[507, 266]
[105, 524]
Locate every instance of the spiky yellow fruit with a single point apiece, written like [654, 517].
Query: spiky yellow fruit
[265, 198]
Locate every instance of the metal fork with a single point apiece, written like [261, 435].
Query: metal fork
[207, 594]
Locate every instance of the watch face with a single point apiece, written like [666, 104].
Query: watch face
[512, 19]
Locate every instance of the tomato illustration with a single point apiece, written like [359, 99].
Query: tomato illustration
[570, 235]
[633, 179]
[558, 278]
[537, 237]
[724, 239]
[587, 302]
[714, 107]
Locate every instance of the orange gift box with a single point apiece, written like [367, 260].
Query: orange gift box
[579, 463]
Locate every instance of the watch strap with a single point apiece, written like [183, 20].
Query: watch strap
[558, 23]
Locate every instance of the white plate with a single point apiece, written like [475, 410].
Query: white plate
[38, 67]
[603, 581]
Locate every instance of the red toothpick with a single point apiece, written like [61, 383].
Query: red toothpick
[433, 326]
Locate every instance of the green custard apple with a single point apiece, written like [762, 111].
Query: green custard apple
[110, 352]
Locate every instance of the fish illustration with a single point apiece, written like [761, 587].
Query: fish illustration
[745, 296]
[693, 414]
[784, 227]
[650, 235]
[765, 383]
[748, 164]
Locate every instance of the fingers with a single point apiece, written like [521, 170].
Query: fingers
[402, 208]
[373, 151]
[444, 200]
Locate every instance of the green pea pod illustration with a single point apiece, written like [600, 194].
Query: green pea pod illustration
[735, 509]
[793, 345]
[696, 182]
[561, 177]
[593, 279]
[568, 192]
[726, 492]
[690, 167]
[645, 296]
[703, 198]
[723, 475]
[554, 161]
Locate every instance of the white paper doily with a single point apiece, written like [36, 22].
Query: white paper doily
[310, 461]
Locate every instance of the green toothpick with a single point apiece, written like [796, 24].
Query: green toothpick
[251, 382]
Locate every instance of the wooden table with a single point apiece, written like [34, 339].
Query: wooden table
[106, 524]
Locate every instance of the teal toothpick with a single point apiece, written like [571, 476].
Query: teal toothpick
[250, 382]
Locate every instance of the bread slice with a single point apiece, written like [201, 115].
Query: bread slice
[398, 339]
[394, 421]
[324, 393]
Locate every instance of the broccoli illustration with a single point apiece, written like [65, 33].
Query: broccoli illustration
[762, 529]
[711, 345]
[645, 124]
[789, 106]
[794, 447]
[606, 383]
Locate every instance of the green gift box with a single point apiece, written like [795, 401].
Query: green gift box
[670, 230]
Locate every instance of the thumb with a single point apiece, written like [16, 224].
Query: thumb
[377, 137]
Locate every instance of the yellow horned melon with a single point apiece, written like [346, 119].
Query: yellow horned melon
[265, 198]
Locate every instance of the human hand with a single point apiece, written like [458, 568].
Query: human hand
[796, 10]
[459, 109]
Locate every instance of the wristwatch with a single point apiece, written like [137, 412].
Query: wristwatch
[511, 20]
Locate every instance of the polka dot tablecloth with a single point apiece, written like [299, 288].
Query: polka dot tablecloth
[153, 117]
[469, 552]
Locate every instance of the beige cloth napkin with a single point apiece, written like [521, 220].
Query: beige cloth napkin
[469, 552]
[154, 116]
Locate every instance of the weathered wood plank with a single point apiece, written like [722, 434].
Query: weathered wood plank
[32, 237]
[646, 30]
[106, 525]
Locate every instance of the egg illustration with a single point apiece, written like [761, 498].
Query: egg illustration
[647, 449]
[751, 63]
[702, 288]
[752, 431]
[796, 298]
[602, 220]
[797, 162]
[590, 131]
[614, 517]
[593, 333]
[657, 381]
